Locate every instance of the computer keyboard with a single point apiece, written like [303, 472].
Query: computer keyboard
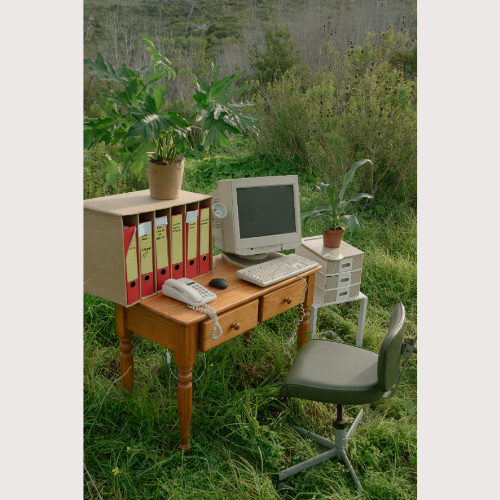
[279, 269]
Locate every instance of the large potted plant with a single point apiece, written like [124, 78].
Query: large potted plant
[136, 117]
[332, 214]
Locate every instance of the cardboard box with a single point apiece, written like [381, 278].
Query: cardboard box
[103, 219]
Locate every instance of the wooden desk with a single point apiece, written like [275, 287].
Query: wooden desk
[171, 324]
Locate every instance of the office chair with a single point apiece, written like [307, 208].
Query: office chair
[344, 374]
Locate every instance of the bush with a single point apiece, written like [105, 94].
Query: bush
[283, 131]
[372, 114]
[362, 108]
[281, 54]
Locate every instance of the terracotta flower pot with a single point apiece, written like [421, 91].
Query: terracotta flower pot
[332, 238]
[165, 180]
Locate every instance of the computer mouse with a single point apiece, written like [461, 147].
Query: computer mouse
[218, 283]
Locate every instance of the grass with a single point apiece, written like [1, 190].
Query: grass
[241, 429]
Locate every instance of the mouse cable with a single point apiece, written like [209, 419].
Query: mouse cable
[169, 361]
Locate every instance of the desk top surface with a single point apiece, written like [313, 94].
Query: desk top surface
[237, 293]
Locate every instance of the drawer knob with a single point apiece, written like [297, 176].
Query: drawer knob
[288, 300]
[236, 326]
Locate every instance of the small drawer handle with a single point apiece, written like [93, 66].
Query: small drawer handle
[236, 326]
[288, 300]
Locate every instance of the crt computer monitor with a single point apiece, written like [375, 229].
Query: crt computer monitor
[263, 216]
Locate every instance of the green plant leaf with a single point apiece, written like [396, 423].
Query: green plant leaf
[352, 222]
[113, 172]
[356, 197]
[156, 77]
[348, 177]
[89, 136]
[330, 193]
[172, 119]
[215, 132]
[103, 124]
[239, 91]
[146, 125]
[359, 196]
[138, 165]
[103, 68]
[215, 73]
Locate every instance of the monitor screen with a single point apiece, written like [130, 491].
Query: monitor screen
[266, 210]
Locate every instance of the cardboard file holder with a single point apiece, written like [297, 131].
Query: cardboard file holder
[104, 273]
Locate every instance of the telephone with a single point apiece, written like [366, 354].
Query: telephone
[195, 297]
[187, 291]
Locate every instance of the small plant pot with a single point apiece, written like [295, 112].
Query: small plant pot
[332, 238]
[165, 180]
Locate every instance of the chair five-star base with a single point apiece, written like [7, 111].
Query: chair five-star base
[338, 449]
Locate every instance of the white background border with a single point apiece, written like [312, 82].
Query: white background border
[42, 327]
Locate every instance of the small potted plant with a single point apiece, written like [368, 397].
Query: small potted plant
[332, 214]
[135, 117]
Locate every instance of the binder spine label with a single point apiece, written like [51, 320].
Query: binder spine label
[146, 254]
[176, 239]
[204, 231]
[131, 261]
[192, 240]
[161, 247]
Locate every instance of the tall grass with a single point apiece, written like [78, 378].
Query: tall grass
[241, 429]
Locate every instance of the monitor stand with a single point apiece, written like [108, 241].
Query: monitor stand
[250, 260]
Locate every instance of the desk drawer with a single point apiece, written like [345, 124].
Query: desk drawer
[281, 300]
[245, 316]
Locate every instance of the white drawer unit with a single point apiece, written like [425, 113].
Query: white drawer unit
[340, 277]
[338, 280]
[335, 296]
[313, 249]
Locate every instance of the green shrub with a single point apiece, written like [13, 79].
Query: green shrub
[209, 170]
[372, 114]
[361, 107]
[283, 131]
[281, 54]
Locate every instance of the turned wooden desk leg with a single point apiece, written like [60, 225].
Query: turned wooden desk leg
[303, 330]
[185, 357]
[185, 404]
[246, 337]
[126, 356]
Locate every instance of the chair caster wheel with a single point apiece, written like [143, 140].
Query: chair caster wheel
[280, 485]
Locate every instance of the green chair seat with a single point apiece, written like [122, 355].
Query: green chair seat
[333, 372]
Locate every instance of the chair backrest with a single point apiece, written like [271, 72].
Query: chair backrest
[389, 355]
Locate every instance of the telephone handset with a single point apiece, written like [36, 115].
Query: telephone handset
[187, 291]
[195, 296]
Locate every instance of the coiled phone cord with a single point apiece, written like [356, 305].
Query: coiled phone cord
[204, 308]
[288, 344]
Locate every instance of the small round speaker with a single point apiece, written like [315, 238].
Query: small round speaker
[219, 210]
